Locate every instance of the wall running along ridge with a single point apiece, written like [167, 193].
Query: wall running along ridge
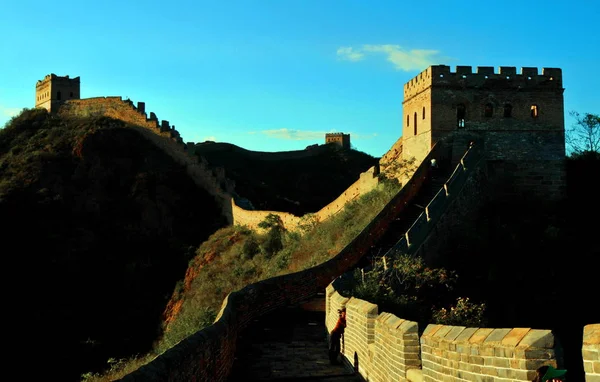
[208, 354]
[367, 182]
[163, 135]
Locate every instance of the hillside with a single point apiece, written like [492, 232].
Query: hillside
[298, 182]
[100, 225]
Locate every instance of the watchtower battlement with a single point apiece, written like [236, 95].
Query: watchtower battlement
[505, 77]
[53, 90]
[339, 139]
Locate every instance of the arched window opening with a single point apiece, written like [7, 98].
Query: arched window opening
[58, 95]
[71, 95]
[507, 110]
[489, 110]
[461, 113]
[407, 120]
[423, 112]
[415, 122]
[535, 111]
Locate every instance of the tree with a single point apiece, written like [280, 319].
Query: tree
[584, 135]
[274, 238]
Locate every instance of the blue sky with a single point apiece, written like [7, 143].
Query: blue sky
[272, 75]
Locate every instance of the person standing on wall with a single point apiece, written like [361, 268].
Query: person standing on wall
[335, 337]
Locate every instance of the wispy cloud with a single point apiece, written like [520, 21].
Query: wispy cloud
[349, 54]
[402, 59]
[294, 135]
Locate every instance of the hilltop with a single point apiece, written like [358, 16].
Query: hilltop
[297, 182]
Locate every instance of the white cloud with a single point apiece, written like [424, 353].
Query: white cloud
[294, 135]
[349, 54]
[402, 59]
[210, 138]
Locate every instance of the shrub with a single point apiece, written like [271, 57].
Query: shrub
[464, 313]
[250, 248]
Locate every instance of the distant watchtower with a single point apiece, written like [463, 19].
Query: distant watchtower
[53, 90]
[519, 118]
[340, 139]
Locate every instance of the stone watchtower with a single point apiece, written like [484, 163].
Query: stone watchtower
[340, 139]
[53, 90]
[518, 119]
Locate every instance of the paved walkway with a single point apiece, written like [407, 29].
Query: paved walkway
[289, 344]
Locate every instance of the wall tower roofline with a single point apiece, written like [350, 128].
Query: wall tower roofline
[503, 77]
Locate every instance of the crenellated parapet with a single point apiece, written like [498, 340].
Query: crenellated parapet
[340, 139]
[164, 135]
[53, 90]
[503, 77]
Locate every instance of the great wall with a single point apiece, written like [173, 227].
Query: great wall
[524, 151]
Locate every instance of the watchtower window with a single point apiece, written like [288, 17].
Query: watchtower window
[407, 120]
[461, 113]
[507, 110]
[415, 128]
[423, 112]
[535, 111]
[71, 95]
[58, 95]
[489, 110]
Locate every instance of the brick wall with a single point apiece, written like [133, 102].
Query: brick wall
[591, 352]
[367, 181]
[383, 347]
[208, 354]
[456, 353]
[359, 336]
[168, 139]
[396, 349]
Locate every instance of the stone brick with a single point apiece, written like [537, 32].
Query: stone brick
[480, 335]
[515, 336]
[537, 338]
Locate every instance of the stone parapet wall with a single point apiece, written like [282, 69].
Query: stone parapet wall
[383, 347]
[162, 135]
[367, 182]
[456, 353]
[591, 352]
[396, 349]
[208, 354]
[252, 218]
[394, 154]
[359, 336]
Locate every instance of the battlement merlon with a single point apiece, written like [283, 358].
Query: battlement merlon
[56, 79]
[484, 76]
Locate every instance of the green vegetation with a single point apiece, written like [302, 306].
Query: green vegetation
[234, 257]
[99, 223]
[95, 210]
[406, 287]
